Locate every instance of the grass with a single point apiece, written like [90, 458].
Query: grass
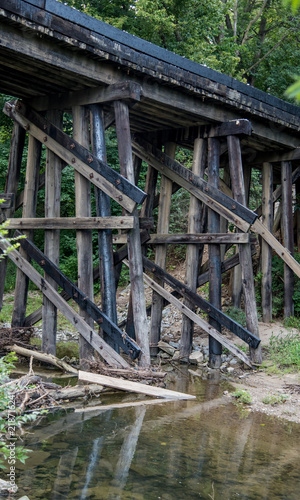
[242, 396]
[35, 300]
[284, 352]
[275, 399]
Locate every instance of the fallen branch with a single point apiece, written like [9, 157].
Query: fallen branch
[41, 356]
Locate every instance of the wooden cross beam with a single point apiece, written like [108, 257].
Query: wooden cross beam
[105, 351]
[198, 301]
[93, 95]
[95, 170]
[233, 211]
[122, 339]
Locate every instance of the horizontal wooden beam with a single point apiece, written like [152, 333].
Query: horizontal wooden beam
[6, 200]
[187, 239]
[121, 338]
[73, 223]
[198, 320]
[232, 127]
[203, 304]
[96, 171]
[105, 351]
[273, 156]
[227, 207]
[92, 95]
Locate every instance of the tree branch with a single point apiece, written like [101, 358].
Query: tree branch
[268, 53]
[245, 37]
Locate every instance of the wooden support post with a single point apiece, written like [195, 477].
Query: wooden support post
[29, 210]
[163, 223]
[215, 275]
[266, 250]
[297, 215]
[103, 209]
[195, 221]
[238, 190]
[134, 243]
[12, 182]
[288, 236]
[237, 286]
[83, 237]
[51, 249]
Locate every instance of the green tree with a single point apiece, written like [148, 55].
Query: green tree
[246, 39]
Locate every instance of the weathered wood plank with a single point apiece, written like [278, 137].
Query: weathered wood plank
[203, 304]
[118, 222]
[232, 127]
[80, 297]
[238, 190]
[288, 235]
[29, 210]
[127, 385]
[195, 225]
[236, 213]
[96, 171]
[259, 228]
[214, 253]
[11, 186]
[266, 250]
[196, 239]
[122, 90]
[163, 222]
[83, 237]
[199, 321]
[134, 244]
[105, 351]
[103, 209]
[51, 237]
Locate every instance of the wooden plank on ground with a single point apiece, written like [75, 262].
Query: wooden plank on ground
[121, 222]
[199, 321]
[105, 351]
[127, 385]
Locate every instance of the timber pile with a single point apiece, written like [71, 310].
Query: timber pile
[17, 335]
[146, 376]
[31, 393]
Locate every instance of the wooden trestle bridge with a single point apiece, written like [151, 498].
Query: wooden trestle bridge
[54, 59]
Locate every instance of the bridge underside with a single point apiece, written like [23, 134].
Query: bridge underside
[56, 60]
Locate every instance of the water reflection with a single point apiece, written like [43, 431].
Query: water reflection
[176, 450]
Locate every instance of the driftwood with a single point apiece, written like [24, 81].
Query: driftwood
[41, 356]
[128, 385]
[78, 391]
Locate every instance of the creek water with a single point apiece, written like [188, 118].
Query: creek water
[208, 448]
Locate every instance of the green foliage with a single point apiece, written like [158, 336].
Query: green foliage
[284, 351]
[278, 286]
[237, 315]
[247, 40]
[274, 399]
[10, 420]
[242, 396]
